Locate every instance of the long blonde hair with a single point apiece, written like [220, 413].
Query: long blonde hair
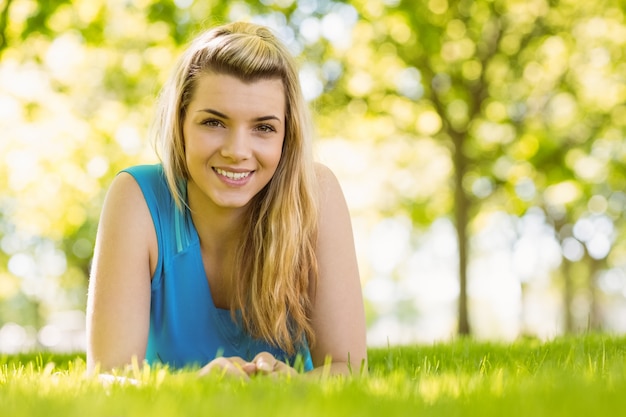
[276, 267]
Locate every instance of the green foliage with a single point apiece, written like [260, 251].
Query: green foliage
[514, 105]
[573, 376]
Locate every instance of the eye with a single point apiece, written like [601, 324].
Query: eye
[212, 123]
[265, 128]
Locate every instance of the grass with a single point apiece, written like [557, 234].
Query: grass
[577, 376]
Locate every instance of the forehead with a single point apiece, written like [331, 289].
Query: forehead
[232, 93]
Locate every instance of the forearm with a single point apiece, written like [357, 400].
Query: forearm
[99, 360]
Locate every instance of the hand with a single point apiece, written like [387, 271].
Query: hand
[263, 364]
[266, 364]
[233, 367]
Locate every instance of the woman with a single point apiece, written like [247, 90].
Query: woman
[236, 252]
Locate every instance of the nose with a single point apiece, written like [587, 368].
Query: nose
[236, 145]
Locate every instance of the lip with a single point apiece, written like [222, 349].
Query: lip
[229, 169]
[237, 182]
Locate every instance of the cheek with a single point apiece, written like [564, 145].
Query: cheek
[270, 153]
[280, 151]
[193, 144]
[276, 159]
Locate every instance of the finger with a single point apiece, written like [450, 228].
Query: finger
[281, 369]
[235, 369]
[267, 364]
[264, 362]
[222, 367]
[215, 366]
[236, 360]
[248, 367]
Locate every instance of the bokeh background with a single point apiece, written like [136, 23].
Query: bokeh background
[481, 146]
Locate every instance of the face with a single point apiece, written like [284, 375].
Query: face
[233, 133]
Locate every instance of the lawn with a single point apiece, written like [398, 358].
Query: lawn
[575, 376]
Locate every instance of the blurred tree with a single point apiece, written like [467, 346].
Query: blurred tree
[524, 94]
[469, 107]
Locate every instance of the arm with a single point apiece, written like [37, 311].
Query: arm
[338, 316]
[118, 305]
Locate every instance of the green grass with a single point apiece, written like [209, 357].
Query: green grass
[578, 376]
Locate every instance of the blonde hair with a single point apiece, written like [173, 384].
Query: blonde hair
[276, 267]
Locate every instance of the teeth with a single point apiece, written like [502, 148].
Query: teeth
[232, 175]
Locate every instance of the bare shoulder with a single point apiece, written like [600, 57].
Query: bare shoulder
[126, 219]
[328, 184]
[324, 174]
[322, 171]
[124, 187]
[125, 199]
[333, 209]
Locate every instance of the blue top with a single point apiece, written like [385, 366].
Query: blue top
[186, 329]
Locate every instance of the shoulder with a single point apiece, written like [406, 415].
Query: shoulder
[126, 220]
[152, 183]
[323, 173]
[133, 193]
[125, 197]
[327, 182]
[147, 175]
[332, 205]
[145, 170]
[328, 188]
[124, 185]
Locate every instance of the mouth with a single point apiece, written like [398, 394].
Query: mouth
[235, 176]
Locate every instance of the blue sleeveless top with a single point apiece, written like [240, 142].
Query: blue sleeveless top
[186, 329]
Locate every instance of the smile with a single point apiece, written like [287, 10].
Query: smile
[233, 175]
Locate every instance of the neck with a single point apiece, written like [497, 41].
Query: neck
[218, 228]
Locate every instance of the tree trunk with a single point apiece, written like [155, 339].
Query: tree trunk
[568, 295]
[461, 215]
[595, 315]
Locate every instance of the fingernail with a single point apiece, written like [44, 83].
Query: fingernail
[264, 366]
[249, 367]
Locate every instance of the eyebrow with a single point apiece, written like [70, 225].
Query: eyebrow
[223, 116]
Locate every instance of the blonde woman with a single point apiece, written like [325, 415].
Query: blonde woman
[235, 253]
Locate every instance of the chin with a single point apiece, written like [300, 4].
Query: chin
[232, 204]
